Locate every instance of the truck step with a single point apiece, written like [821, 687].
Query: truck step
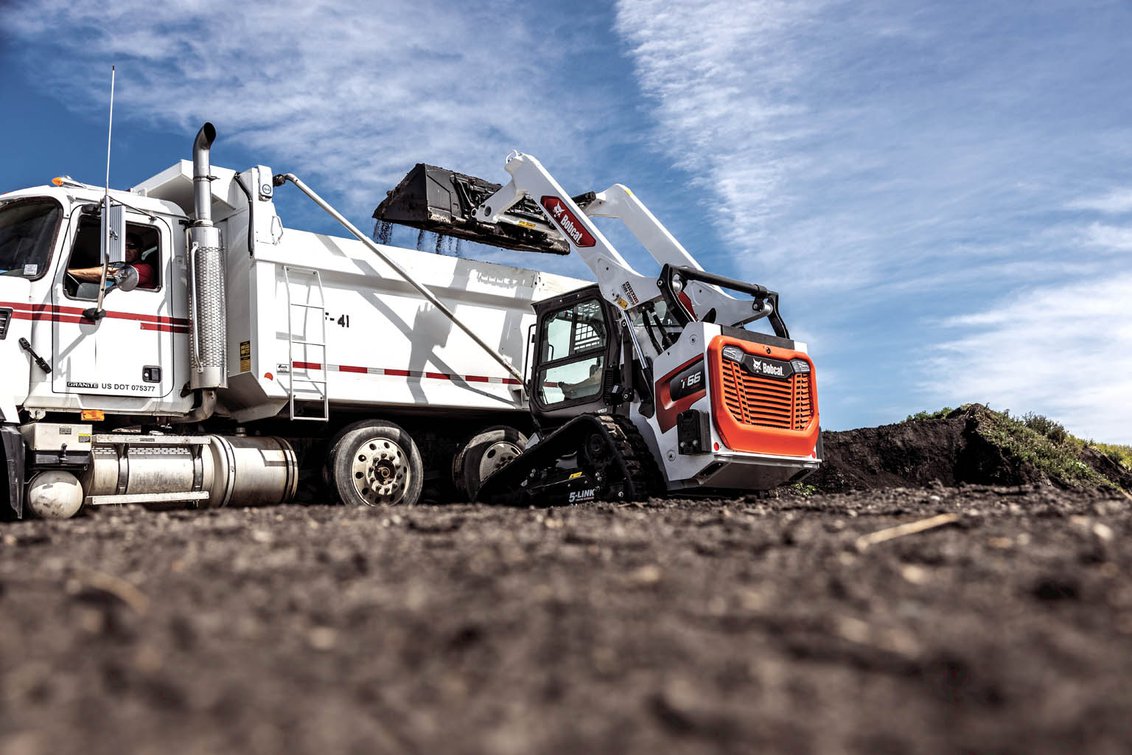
[109, 500]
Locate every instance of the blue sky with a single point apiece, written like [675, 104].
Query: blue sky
[942, 192]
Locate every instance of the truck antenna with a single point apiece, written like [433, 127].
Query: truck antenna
[96, 312]
[110, 131]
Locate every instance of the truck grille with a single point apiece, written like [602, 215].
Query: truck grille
[5, 318]
[767, 402]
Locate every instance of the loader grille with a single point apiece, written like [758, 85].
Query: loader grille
[767, 402]
[5, 318]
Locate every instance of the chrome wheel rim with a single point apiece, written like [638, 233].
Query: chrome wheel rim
[497, 455]
[380, 472]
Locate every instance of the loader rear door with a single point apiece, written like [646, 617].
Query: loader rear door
[576, 344]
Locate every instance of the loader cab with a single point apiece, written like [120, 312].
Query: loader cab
[577, 350]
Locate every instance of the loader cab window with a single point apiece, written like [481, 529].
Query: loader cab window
[143, 253]
[572, 350]
[27, 234]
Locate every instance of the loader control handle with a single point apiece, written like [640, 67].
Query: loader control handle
[674, 281]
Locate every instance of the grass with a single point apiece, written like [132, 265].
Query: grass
[940, 414]
[1041, 442]
[802, 489]
[1121, 454]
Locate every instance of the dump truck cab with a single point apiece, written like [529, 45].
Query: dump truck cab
[51, 315]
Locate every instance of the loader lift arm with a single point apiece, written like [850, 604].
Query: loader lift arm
[690, 293]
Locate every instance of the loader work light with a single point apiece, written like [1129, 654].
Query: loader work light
[734, 354]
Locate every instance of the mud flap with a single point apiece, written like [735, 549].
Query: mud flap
[13, 445]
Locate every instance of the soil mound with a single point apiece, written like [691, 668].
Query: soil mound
[969, 445]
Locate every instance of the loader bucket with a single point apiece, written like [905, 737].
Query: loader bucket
[441, 200]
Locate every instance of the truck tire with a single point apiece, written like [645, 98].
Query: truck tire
[375, 463]
[481, 456]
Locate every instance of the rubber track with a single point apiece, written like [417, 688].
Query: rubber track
[632, 459]
[640, 467]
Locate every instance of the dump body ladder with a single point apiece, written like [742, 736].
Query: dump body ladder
[312, 369]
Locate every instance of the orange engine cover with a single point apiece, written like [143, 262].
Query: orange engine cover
[764, 398]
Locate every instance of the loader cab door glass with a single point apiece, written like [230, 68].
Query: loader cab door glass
[143, 253]
[572, 352]
[27, 235]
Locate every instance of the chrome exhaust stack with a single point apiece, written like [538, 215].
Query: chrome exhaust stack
[207, 303]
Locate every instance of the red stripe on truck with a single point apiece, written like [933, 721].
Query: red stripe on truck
[393, 372]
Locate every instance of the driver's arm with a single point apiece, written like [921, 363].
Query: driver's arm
[86, 274]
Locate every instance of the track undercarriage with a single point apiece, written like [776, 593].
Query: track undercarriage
[594, 457]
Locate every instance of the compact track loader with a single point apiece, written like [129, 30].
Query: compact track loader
[639, 384]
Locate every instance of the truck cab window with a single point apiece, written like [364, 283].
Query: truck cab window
[27, 234]
[84, 266]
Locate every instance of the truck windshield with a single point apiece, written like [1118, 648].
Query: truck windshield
[27, 234]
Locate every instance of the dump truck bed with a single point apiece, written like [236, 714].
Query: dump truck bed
[317, 321]
[318, 317]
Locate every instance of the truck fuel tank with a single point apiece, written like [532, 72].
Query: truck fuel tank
[211, 471]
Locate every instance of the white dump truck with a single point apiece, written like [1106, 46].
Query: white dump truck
[177, 344]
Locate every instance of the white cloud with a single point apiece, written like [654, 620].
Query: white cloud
[1065, 352]
[1110, 237]
[717, 72]
[1116, 202]
[346, 92]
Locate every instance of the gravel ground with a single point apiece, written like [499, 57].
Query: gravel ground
[750, 625]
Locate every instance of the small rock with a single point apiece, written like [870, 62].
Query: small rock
[916, 575]
[853, 630]
[323, 638]
[649, 574]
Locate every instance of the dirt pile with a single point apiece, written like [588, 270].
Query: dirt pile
[969, 445]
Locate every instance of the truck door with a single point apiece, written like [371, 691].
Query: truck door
[129, 352]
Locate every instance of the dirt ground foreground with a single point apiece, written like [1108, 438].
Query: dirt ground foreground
[752, 625]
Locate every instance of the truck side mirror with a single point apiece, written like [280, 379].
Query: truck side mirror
[125, 278]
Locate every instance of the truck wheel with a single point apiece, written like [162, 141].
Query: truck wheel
[481, 456]
[376, 463]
